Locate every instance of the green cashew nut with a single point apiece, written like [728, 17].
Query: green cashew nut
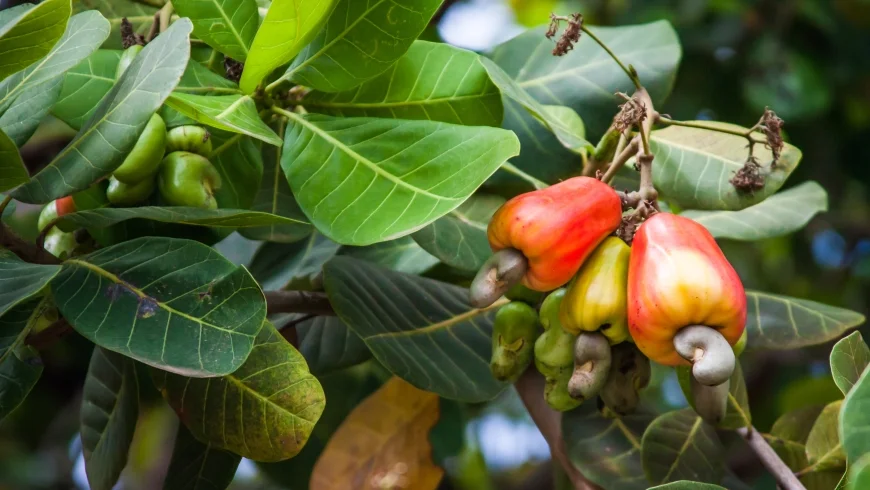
[710, 402]
[629, 373]
[514, 331]
[121, 194]
[60, 244]
[591, 365]
[127, 57]
[710, 354]
[144, 159]
[188, 179]
[499, 273]
[195, 139]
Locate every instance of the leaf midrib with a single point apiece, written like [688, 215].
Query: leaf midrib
[403, 103]
[682, 451]
[443, 323]
[232, 27]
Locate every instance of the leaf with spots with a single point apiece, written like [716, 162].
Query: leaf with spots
[264, 411]
[110, 409]
[849, 358]
[20, 365]
[422, 330]
[681, 446]
[173, 304]
[365, 180]
[777, 322]
[228, 26]
[199, 466]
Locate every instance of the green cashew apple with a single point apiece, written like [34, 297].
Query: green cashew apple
[188, 179]
[126, 58]
[121, 194]
[144, 159]
[194, 139]
[60, 244]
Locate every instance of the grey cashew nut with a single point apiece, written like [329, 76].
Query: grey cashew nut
[591, 365]
[710, 402]
[499, 273]
[710, 354]
[629, 373]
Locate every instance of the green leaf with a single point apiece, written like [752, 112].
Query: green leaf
[199, 466]
[459, 238]
[235, 113]
[238, 159]
[216, 218]
[796, 425]
[694, 166]
[197, 79]
[23, 116]
[777, 322]
[264, 411]
[21, 280]
[361, 40]
[401, 255]
[159, 300]
[288, 26]
[228, 26]
[141, 16]
[329, 345]
[286, 265]
[738, 413]
[31, 34]
[12, 170]
[20, 365]
[274, 196]
[849, 358]
[106, 138]
[859, 474]
[679, 445]
[110, 409]
[586, 431]
[84, 86]
[422, 330]
[855, 419]
[432, 81]
[824, 451]
[687, 485]
[780, 214]
[359, 188]
[587, 79]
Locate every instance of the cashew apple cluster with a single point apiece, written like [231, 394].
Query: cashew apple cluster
[671, 297]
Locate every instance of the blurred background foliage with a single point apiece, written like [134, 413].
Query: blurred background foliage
[809, 60]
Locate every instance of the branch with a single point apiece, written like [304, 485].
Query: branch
[29, 252]
[623, 156]
[312, 302]
[530, 387]
[782, 473]
[645, 157]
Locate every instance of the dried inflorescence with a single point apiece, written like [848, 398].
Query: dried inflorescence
[233, 69]
[771, 126]
[128, 37]
[632, 112]
[571, 35]
[749, 178]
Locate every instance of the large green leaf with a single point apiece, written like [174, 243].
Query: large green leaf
[587, 79]
[360, 40]
[218, 218]
[737, 414]
[31, 34]
[84, 85]
[329, 345]
[274, 196]
[432, 81]
[264, 411]
[359, 186]
[289, 265]
[422, 330]
[12, 170]
[680, 445]
[859, 474]
[401, 255]
[849, 358]
[106, 138]
[160, 300]
[20, 280]
[23, 116]
[199, 466]
[459, 238]
[779, 322]
[854, 427]
[288, 26]
[693, 167]
[780, 214]
[824, 450]
[235, 113]
[228, 26]
[586, 431]
[20, 365]
[110, 409]
[237, 158]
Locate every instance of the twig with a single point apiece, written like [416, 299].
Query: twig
[645, 157]
[4, 204]
[28, 252]
[530, 387]
[782, 473]
[165, 16]
[623, 156]
[512, 169]
[152, 32]
[709, 127]
[298, 302]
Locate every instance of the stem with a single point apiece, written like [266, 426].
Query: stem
[644, 160]
[618, 162]
[29, 252]
[631, 74]
[549, 422]
[782, 473]
[165, 16]
[699, 125]
[152, 32]
[4, 204]
[298, 302]
[512, 169]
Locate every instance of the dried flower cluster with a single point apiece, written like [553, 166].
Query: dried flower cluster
[771, 126]
[748, 178]
[233, 69]
[571, 35]
[128, 37]
[630, 113]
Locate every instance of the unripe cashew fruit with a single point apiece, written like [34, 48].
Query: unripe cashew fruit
[144, 159]
[556, 393]
[629, 373]
[495, 277]
[513, 340]
[556, 228]
[121, 194]
[710, 402]
[60, 244]
[55, 209]
[195, 139]
[554, 349]
[591, 365]
[596, 299]
[188, 179]
[678, 277]
[126, 58]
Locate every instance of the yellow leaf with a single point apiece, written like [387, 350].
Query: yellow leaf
[383, 444]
